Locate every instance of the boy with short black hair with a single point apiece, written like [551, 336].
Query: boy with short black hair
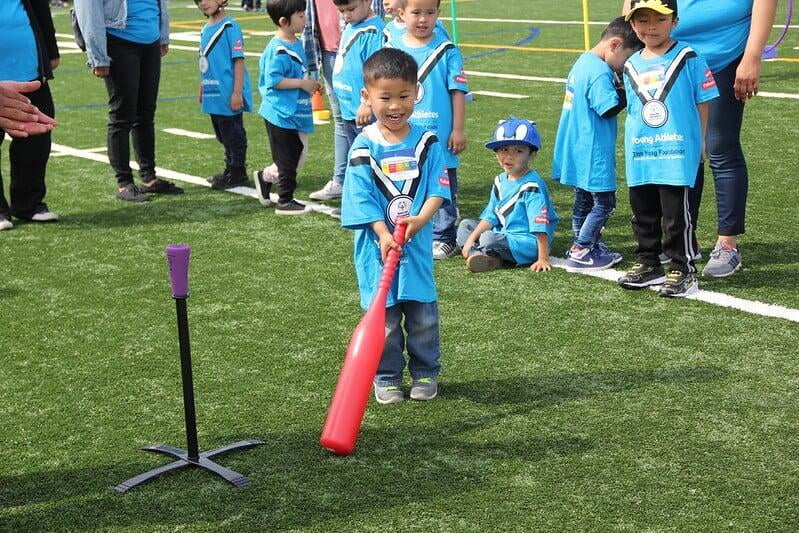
[395, 27]
[668, 86]
[225, 89]
[362, 37]
[518, 224]
[440, 104]
[585, 145]
[286, 106]
[397, 172]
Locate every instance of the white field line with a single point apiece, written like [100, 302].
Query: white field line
[501, 95]
[722, 300]
[187, 133]
[715, 298]
[57, 153]
[187, 178]
[558, 22]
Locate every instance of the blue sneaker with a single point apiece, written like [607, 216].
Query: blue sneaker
[583, 259]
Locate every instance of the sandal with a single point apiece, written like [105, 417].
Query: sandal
[160, 186]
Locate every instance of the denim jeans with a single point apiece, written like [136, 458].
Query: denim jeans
[341, 146]
[350, 131]
[421, 337]
[590, 215]
[726, 157]
[444, 219]
[132, 86]
[490, 242]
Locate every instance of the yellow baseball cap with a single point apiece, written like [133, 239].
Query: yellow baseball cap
[664, 7]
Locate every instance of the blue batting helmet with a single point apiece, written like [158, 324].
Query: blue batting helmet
[515, 131]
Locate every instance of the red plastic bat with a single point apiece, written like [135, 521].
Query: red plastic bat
[354, 385]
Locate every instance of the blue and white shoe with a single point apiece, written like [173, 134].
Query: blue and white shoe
[590, 259]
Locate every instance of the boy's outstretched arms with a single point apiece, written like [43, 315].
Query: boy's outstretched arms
[387, 241]
[542, 264]
[417, 222]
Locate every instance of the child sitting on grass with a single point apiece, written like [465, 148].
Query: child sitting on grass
[518, 224]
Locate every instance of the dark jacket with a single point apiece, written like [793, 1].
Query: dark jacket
[44, 32]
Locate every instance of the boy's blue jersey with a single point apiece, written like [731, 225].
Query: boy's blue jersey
[286, 108]
[717, 31]
[585, 145]
[663, 135]
[143, 24]
[19, 60]
[220, 45]
[358, 43]
[383, 182]
[395, 29]
[440, 72]
[519, 209]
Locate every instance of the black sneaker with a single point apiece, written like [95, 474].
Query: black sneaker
[159, 186]
[217, 176]
[679, 284]
[262, 187]
[640, 276]
[292, 207]
[130, 193]
[228, 181]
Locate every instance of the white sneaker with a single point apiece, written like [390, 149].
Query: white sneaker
[5, 223]
[45, 216]
[330, 191]
[442, 250]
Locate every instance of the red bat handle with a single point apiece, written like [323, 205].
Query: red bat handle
[345, 415]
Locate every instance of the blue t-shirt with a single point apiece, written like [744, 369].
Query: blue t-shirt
[143, 24]
[717, 31]
[286, 108]
[440, 72]
[519, 209]
[585, 145]
[358, 43]
[19, 59]
[663, 134]
[383, 182]
[220, 45]
[395, 29]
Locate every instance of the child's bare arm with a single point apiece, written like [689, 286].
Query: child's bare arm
[481, 228]
[457, 139]
[236, 99]
[417, 222]
[387, 241]
[307, 85]
[542, 265]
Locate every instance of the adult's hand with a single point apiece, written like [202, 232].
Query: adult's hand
[747, 78]
[101, 72]
[18, 117]
[164, 49]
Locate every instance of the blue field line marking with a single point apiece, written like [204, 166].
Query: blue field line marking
[534, 32]
[105, 104]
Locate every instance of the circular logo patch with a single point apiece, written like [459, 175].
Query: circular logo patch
[203, 64]
[654, 113]
[398, 207]
[419, 93]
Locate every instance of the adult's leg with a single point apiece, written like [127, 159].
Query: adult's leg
[341, 145]
[143, 128]
[122, 84]
[28, 157]
[725, 154]
[5, 209]
[646, 223]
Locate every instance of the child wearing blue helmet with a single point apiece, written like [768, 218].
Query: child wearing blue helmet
[518, 224]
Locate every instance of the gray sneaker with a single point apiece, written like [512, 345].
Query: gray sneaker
[424, 389]
[389, 394]
[724, 261]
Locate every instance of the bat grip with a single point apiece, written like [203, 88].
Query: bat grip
[392, 260]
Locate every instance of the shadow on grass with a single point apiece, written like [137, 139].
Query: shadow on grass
[8, 292]
[193, 206]
[296, 484]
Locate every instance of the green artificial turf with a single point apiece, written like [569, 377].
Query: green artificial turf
[566, 403]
